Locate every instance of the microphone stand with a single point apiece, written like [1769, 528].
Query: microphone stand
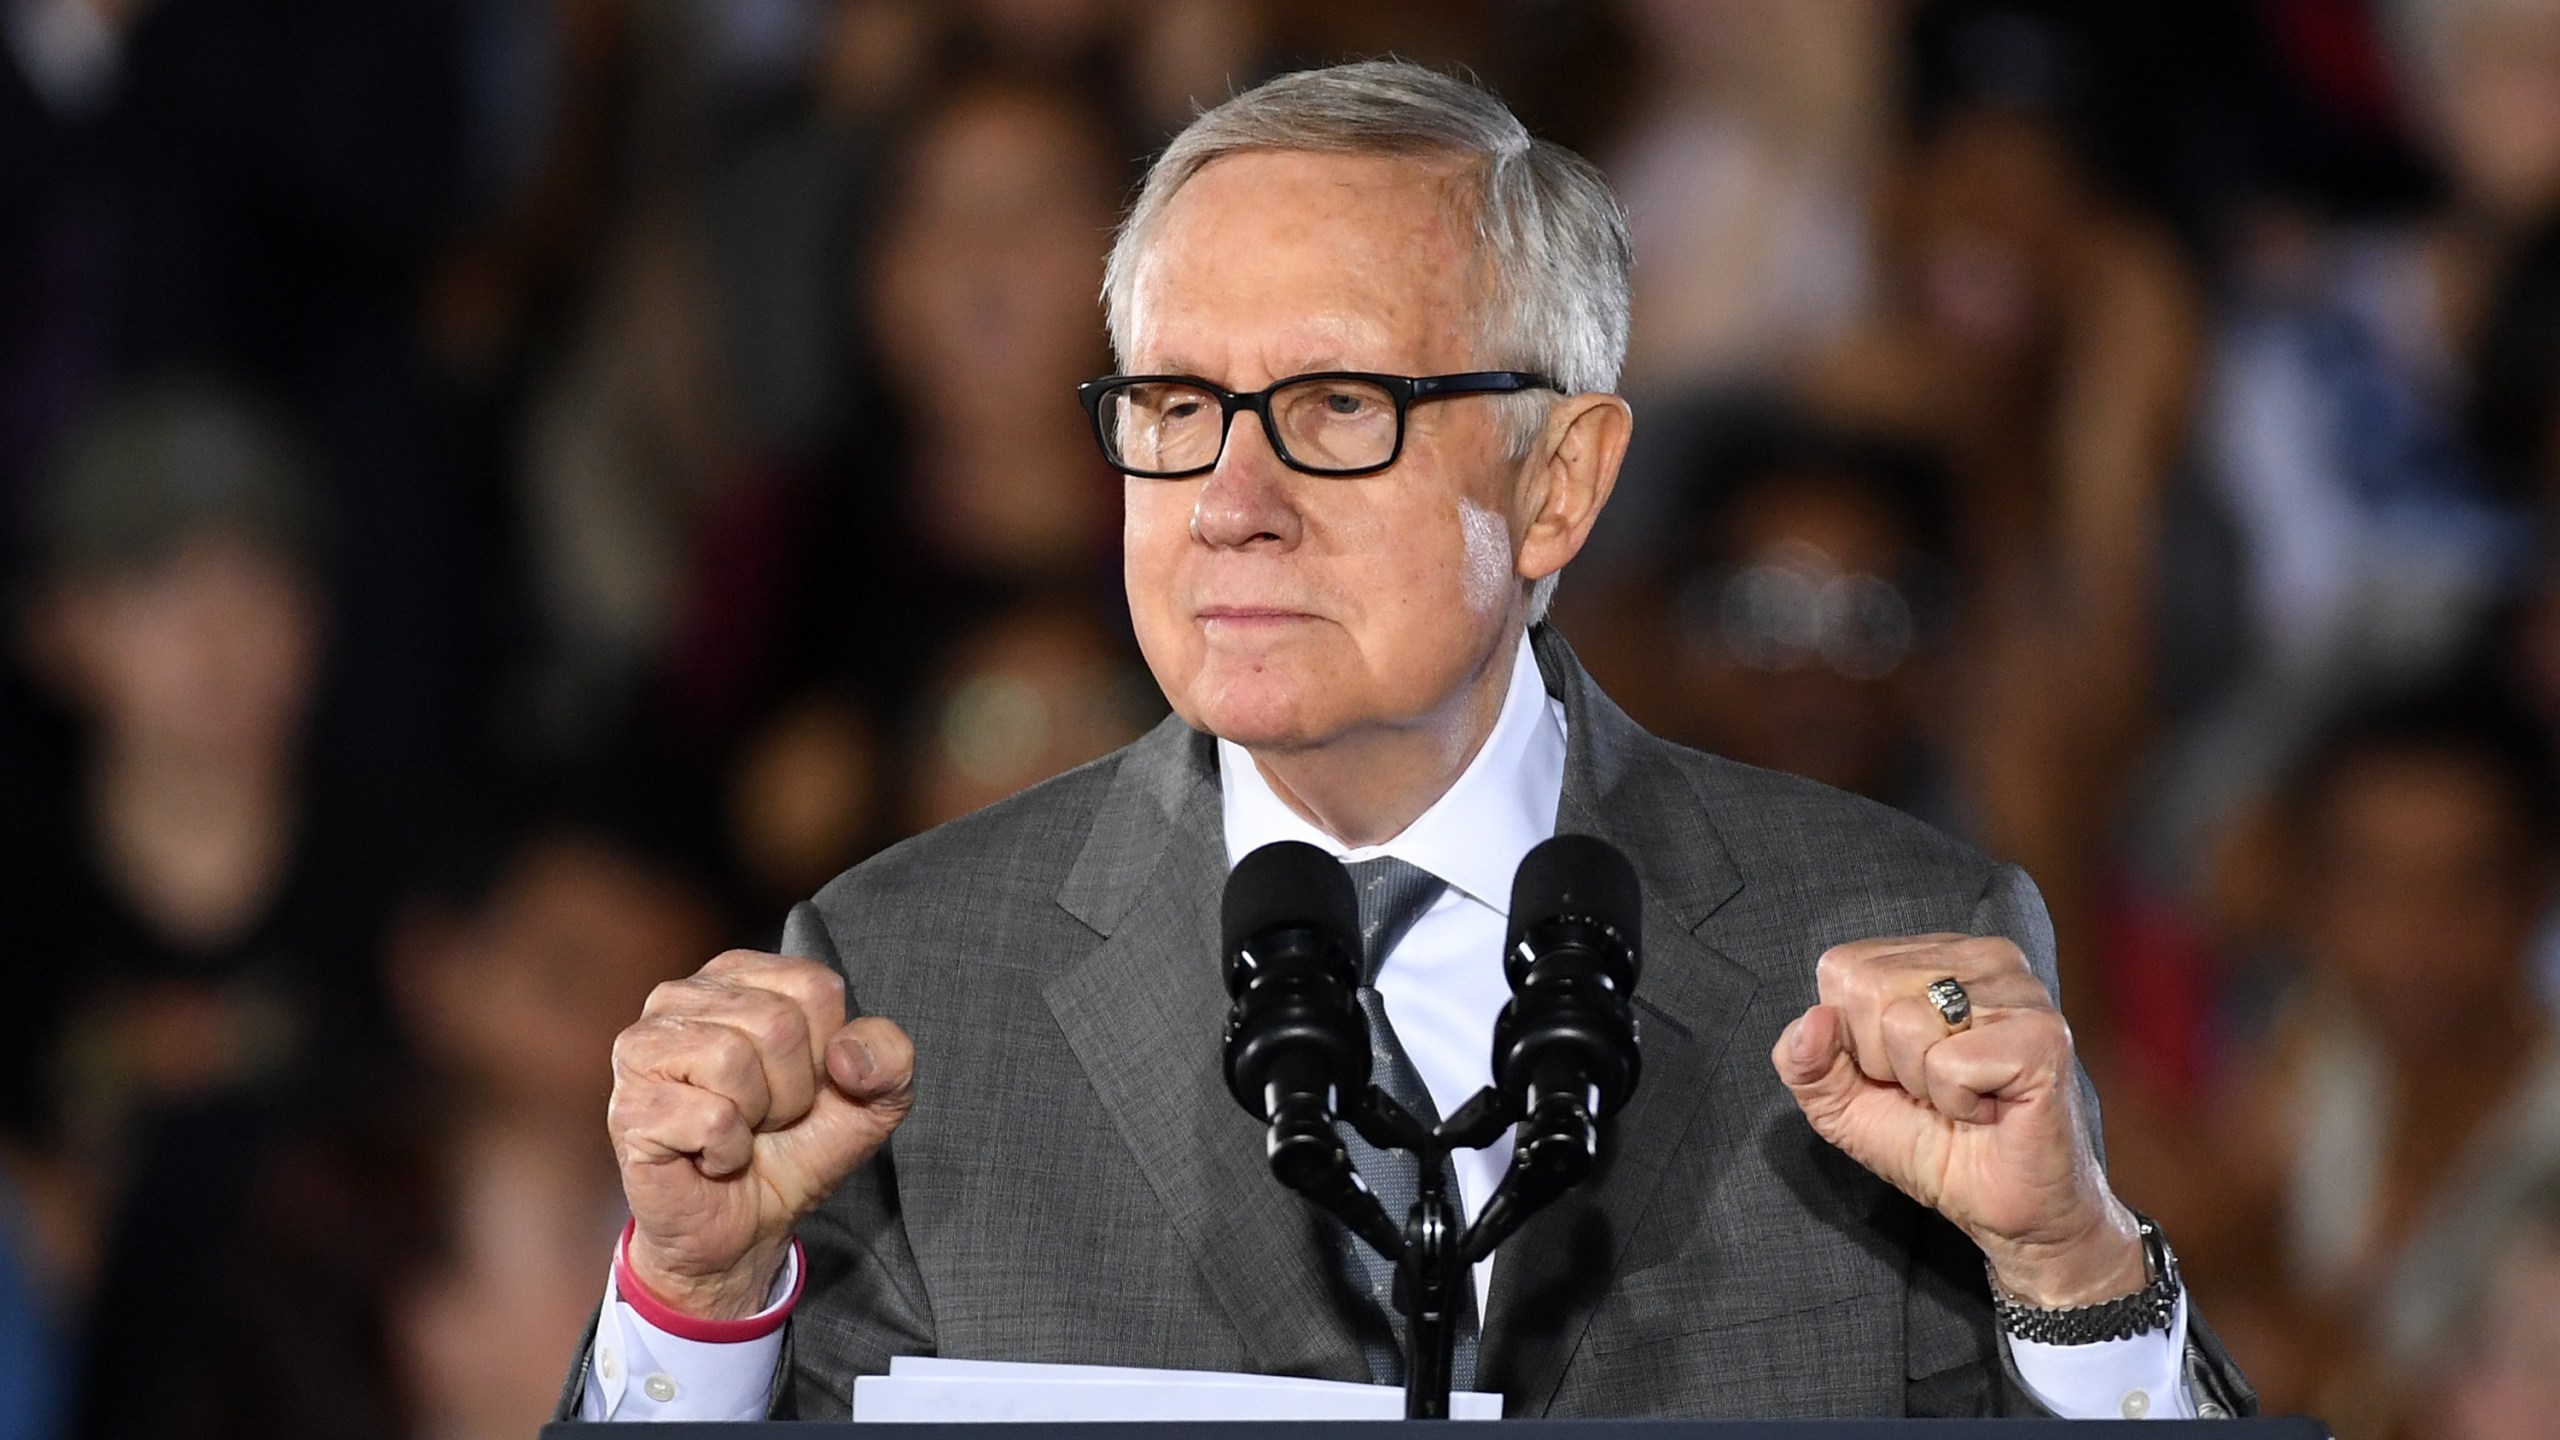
[1555, 1149]
[1564, 1052]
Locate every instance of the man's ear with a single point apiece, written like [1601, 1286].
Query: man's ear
[1571, 475]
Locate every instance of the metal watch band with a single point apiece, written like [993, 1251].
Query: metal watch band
[2145, 1310]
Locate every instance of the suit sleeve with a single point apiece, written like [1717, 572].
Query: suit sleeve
[2010, 906]
[865, 1299]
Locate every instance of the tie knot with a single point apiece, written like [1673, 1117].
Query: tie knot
[1393, 894]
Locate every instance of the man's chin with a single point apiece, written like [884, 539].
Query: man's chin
[1262, 732]
[1260, 715]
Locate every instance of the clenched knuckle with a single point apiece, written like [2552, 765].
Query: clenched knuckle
[1836, 973]
[643, 1043]
[635, 1108]
[720, 1121]
[715, 1055]
[775, 1025]
[806, 978]
[2058, 1046]
[728, 1051]
[671, 995]
[2045, 1037]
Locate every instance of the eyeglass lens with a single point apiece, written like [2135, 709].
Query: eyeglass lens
[1318, 424]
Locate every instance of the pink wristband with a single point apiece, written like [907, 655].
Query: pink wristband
[687, 1327]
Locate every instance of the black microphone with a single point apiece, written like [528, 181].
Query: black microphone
[1564, 1049]
[1296, 1042]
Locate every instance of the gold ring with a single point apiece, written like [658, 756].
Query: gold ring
[1952, 1002]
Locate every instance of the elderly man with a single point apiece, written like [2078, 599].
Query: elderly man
[1372, 327]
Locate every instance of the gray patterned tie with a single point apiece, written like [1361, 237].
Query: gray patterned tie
[1393, 894]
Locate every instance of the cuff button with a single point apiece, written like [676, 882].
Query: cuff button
[659, 1388]
[2137, 1403]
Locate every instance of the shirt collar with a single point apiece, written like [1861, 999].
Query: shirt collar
[1474, 835]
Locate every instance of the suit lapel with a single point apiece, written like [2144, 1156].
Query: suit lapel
[1690, 1000]
[1143, 1015]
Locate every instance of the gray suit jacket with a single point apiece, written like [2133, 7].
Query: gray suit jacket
[1075, 1184]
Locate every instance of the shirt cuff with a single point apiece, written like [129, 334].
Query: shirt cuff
[644, 1368]
[2143, 1378]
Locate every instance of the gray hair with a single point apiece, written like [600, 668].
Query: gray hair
[1551, 234]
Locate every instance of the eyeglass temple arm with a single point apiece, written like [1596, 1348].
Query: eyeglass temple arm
[1481, 382]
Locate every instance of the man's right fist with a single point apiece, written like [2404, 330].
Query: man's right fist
[741, 1099]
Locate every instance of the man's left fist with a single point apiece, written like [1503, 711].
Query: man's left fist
[1980, 1122]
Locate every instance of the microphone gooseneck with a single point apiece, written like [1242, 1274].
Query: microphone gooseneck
[1298, 1059]
[1564, 1049]
[1296, 1042]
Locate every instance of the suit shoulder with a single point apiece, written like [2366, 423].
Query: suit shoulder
[1024, 843]
[1772, 820]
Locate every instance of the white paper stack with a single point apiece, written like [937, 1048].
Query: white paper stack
[923, 1388]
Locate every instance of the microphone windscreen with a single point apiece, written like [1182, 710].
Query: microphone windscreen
[1580, 875]
[1290, 882]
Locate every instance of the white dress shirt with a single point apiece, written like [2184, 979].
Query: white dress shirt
[1443, 982]
[1442, 985]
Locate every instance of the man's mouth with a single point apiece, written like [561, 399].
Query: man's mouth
[1252, 613]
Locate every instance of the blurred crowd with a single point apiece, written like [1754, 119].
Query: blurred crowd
[500, 498]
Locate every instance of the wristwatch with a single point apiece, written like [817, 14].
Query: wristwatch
[2145, 1310]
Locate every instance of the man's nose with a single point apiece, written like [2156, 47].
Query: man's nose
[1247, 497]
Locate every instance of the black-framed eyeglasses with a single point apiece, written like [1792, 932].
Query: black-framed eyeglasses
[1332, 422]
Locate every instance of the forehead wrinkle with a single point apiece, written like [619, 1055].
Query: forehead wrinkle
[1251, 364]
[1384, 262]
[1323, 343]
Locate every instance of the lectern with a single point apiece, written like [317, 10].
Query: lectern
[2293, 1428]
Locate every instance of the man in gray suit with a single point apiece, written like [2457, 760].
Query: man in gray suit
[1861, 1174]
